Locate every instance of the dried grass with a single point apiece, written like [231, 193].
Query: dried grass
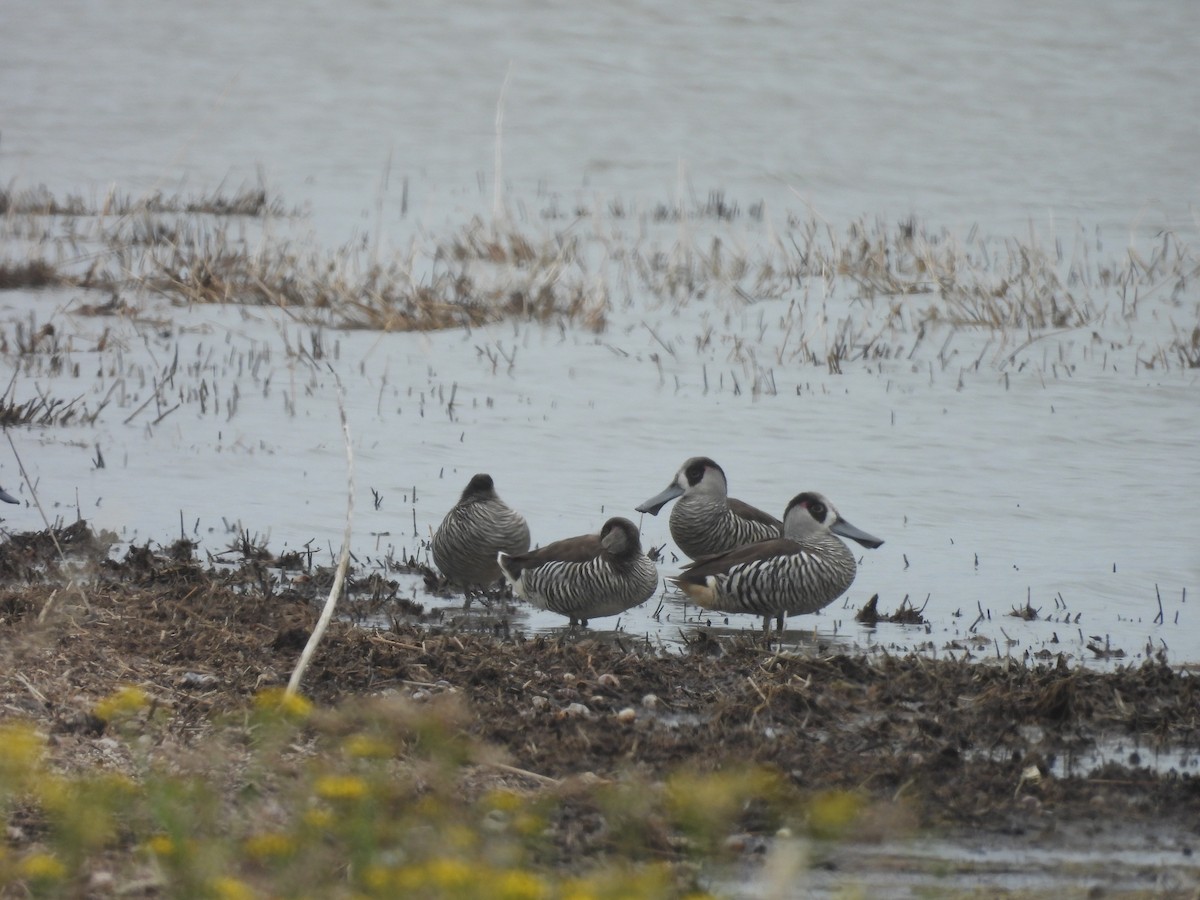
[874, 292]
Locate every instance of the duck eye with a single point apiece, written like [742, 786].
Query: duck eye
[818, 511]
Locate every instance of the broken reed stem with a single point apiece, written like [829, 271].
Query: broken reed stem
[525, 773]
[339, 577]
[45, 611]
[498, 173]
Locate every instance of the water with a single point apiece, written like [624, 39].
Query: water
[1058, 861]
[992, 113]
[1064, 476]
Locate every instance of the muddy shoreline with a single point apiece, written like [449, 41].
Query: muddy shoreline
[929, 747]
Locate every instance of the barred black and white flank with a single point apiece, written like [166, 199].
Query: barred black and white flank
[803, 571]
[706, 520]
[479, 526]
[585, 577]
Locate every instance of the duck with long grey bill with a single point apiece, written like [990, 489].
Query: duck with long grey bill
[803, 571]
[706, 520]
[7, 497]
[586, 577]
[476, 528]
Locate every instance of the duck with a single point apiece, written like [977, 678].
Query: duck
[586, 577]
[801, 572]
[706, 520]
[476, 528]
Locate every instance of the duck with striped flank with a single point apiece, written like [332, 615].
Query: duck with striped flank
[706, 520]
[803, 571]
[585, 577]
[478, 526]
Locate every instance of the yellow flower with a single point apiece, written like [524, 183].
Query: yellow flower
[21, 749]
[503, 800]
[226, 888]
[578, 889]
[161, 845]
[319, 818]
[56, 793]
[517, 884]
[280, 700]
[704, 804]
[341, 787]
[117, 784]
[364, 746]
[831, 812]
[269, 845]
[41, 867]
[448, 873]
[378, 878]
[528, 825]
[121, 704]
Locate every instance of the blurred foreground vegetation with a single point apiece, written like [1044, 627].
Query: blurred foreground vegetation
[379, 798]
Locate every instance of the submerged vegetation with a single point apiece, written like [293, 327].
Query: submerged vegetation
[876, 291]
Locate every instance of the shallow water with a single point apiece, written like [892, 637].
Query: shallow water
[987, 496]
[981, 113]
[1137, 862]
[1063, 475]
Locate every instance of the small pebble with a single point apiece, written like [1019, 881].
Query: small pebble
[609, 680]
[197, 679]
[569, 678]
[627, 715]
[650, 701]
[539, 702]
[421, 695]
[495, 821]
[101, 880]
[577, 711]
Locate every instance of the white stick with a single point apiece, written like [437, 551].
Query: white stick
[498, 173]
[49, 605]
[343, 561]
